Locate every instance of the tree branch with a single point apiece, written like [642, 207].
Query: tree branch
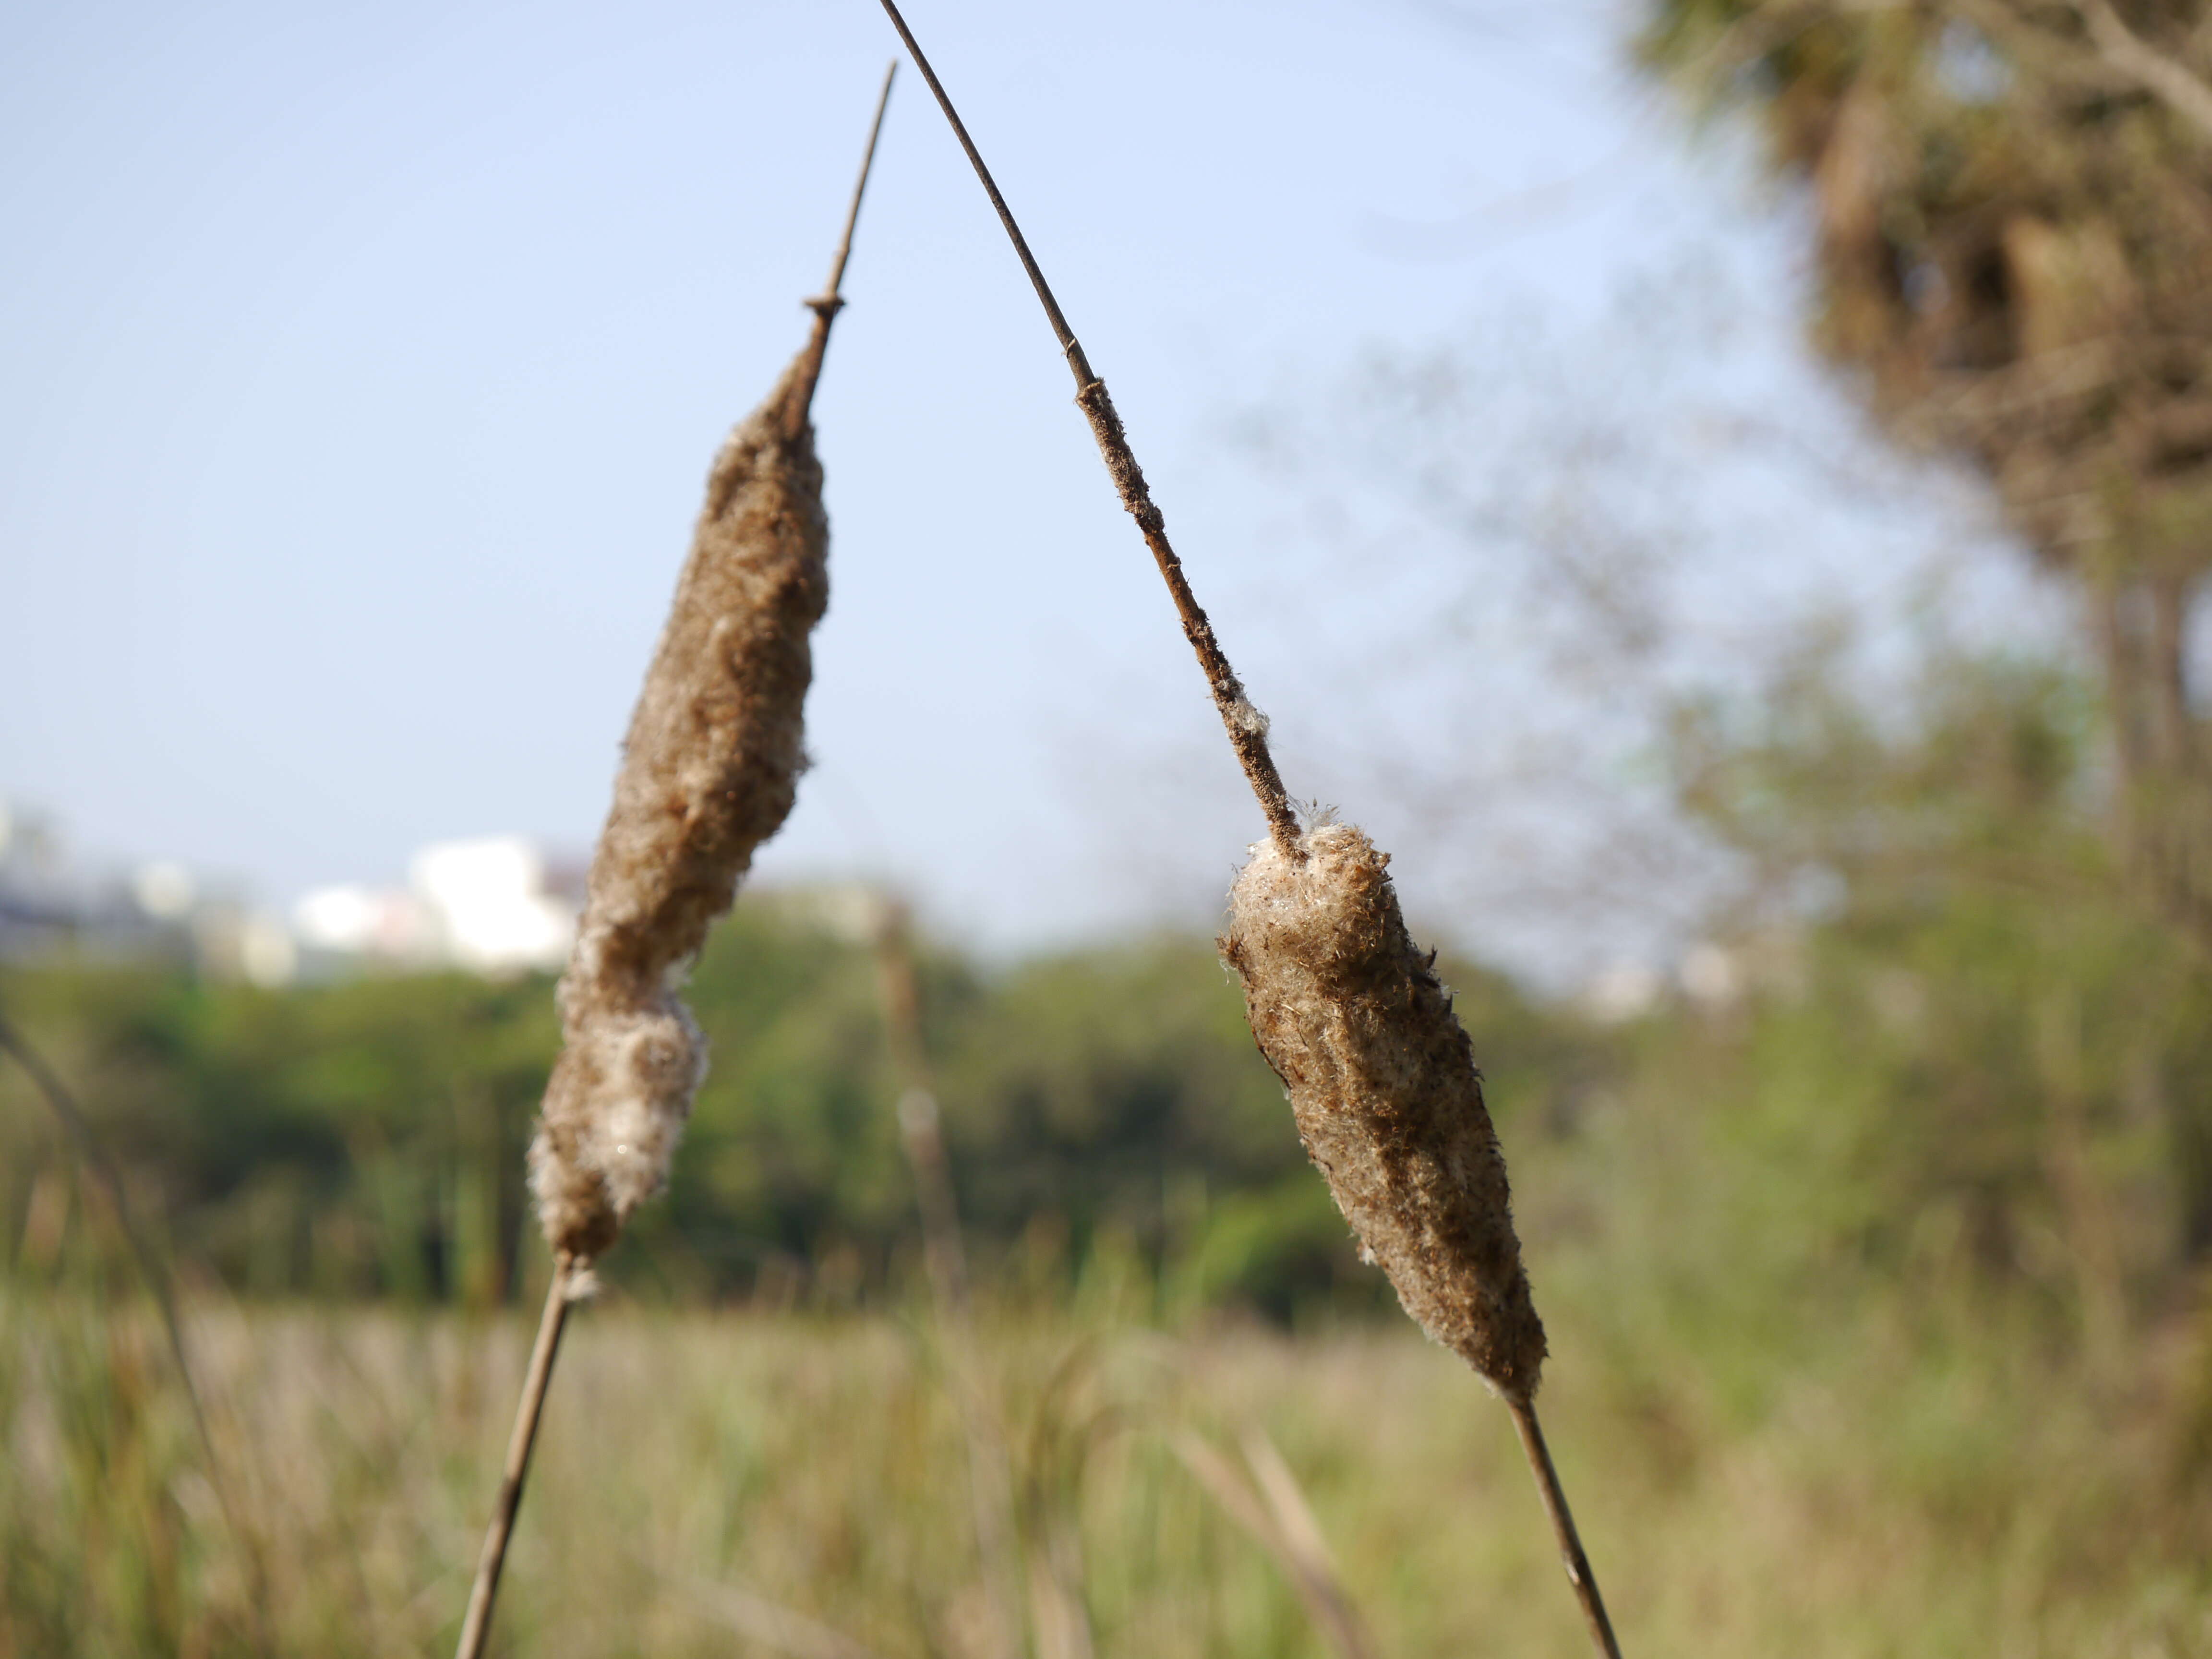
[2157, 72]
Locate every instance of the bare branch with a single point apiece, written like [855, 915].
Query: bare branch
[2186, 94]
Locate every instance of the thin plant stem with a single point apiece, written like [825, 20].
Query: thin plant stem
[921, 1132]
[826, 308]
[95, 1159]
[1247, 728]
[1279, 1521]
[1563, 1527]
[758, 1621]
[154, 1274]
[475, 1627]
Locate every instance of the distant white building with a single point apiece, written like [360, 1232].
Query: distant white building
[485, 904]
[387, 923]
[490, 907]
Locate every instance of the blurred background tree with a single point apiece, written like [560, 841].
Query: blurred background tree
[2014, 210]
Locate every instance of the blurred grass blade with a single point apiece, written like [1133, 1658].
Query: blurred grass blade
[1284, 1525]
[153, 1272]
[772, 1627]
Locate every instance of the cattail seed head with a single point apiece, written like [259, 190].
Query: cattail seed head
[709, 770]
[1384, 1086]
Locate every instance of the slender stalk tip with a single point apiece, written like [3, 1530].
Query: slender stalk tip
[1246, 726]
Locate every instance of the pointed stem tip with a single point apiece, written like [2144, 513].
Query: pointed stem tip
[1247, 730]
[826, 305]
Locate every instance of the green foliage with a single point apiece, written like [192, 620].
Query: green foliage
[1985, 1048]
[366, 1137]
[340, 1139]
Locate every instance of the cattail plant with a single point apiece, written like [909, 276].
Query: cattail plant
[1380, 1072]
[709, 770]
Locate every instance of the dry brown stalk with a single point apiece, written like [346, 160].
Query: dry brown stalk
[1571, 1557]
[990, 1483]
[151, 1269]
[153, 1272]
[1056, 1612]
[1380, 1072]
[1246, 726]
[1285, 1527]
[772, 1627]
[2187, 95]
[1066, 1427]
[709, 771]
[475, 1625]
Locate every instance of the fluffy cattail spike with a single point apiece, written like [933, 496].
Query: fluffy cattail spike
[1382, 1083]
[709, 770]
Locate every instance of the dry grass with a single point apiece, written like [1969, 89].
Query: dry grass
[817, 1468]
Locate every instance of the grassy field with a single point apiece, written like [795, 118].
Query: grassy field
[1878, 1295]
[755, 1482]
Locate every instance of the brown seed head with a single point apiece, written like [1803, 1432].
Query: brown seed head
[709, 770]
[1384, 1086]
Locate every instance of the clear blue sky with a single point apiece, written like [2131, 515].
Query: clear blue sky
[358, 367]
